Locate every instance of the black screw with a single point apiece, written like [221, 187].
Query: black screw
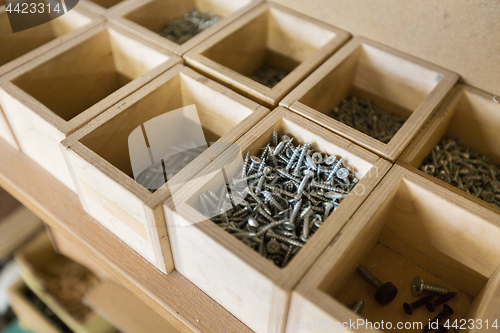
[447, 311]
[431, 306]
[385, 292]
[424, 300]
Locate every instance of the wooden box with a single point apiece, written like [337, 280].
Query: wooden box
[268, 35]
[408, 226]
[17, 225]
[468, 114]
[395, 81]
[30, 317]
[150, 16]
[20, 47]
[252, 288]
[56, 93]
[34, 261]
[99, 155]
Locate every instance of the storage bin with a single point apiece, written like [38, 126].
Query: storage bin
[395, 81]
[150, 16]
[269, 35]
[99, 155]
[252, 288]
[408, 227]
[53, 95]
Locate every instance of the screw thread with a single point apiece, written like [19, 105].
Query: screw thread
[422, 301]
[434, 288]
[269, 197]
[369, 277]
[303, 185]
[444, 298]
[357, 307]
[284, 239]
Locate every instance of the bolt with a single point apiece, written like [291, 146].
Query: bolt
[409, 307]
[447, 311]
[385, 292]
[418, 286]
[431, 306]
[357, 306]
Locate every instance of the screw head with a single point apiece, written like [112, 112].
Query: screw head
[273, 246]
[408, 309]
[285, 138]
[255, 159]
[386, 293]
[342, 173]
[417, 286]
[330, 160]
[317, 158]
[308, 173]
[253, 222]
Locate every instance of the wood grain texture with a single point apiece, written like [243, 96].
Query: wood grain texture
[149, 17]
[297, 43]
[173, 296]
[104, 7]
[428, 34]
[408, 226]
[468, 114]
[100, 159]
[395, 81]
[249, 286]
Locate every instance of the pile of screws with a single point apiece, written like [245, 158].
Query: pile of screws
[182, 29]
[291, 192]
[68, 281]
[268, 75]
[465, 169]
[367, 118]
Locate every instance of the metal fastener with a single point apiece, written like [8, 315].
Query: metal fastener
[418, 286]
[386, 292]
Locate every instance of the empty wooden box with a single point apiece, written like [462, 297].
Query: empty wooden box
[99, 155]
[252, 288]
[150, 16]
[394, 81]
[469, 115]
[269, 35]
[20, 47]
[37, 262]
[53, 95]
[408, 227]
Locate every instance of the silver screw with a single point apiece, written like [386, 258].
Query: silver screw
[357, 306]
[418, 286]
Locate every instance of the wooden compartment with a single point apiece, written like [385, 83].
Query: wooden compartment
[252, 288]
[17, 225]
[150, 16]
[99, 155]
[268, 35]
[468, 114]
[408, 226]
[394, 81]
[30, 317]
[36, 261]
[20, 47]
[50, 97]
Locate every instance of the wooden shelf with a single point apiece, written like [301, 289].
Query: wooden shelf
[173, 296]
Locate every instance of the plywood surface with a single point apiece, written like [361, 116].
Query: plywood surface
[460, 35]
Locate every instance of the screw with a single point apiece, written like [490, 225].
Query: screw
[308, 174]
[447, 311]
[431, 306]
[273, 246]
[418, 286]
[357, 306]
[409, 307]
[385, 292]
